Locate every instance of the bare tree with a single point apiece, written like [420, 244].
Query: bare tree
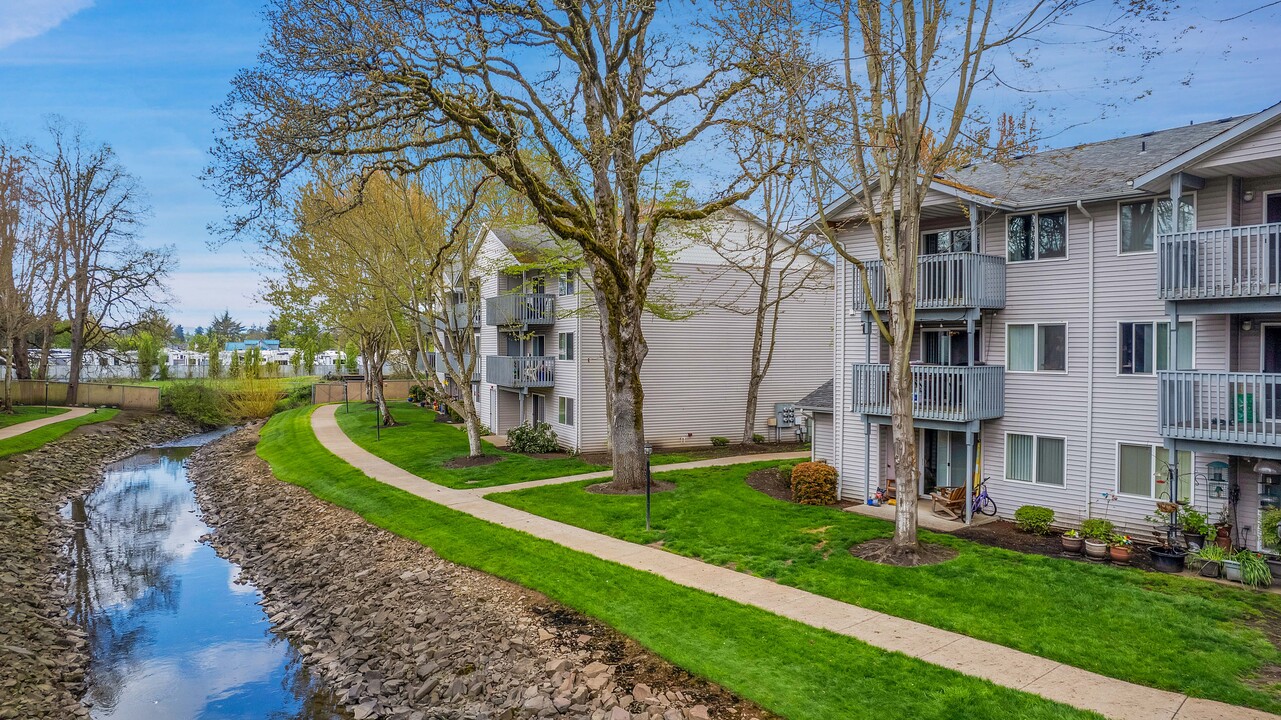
[24, 264]
[585, 109]
[93, 208]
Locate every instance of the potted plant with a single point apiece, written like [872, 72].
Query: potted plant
[1120, 548]
[1072, 542]
[1195, 526]
[1223, 529]
[1231, 568]
[1097, 531]
[1211, 558]
[1254, 569]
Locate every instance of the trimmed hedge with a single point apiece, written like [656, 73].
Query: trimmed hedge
[1034, 519]
[536, 438]
[814, 483]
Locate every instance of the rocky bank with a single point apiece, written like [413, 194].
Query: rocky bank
[400, 633]
[43, 655]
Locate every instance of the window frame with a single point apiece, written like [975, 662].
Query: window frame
[974, 237]
[565, 410]
[1155, 365]
[1154, 199]
[567, 284]
[1036, 233]
[1036, 452]
[1152, 451]
[561, 345]
[1036, 355]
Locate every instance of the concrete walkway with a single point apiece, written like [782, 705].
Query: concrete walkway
[26, 427]
[1001, 665]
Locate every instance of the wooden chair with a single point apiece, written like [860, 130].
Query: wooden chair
[949, 502]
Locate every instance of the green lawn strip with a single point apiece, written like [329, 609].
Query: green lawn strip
[792, 669]
[33, 439]
[1168, 632]
[421, 445]
[27, 413]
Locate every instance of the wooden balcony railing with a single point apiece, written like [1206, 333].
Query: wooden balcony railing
[521, 309]
[520, 372]
[939, 392]
[1230, 407]
[943, 281]
[1223, 263]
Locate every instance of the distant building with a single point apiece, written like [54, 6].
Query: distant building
[246, 344]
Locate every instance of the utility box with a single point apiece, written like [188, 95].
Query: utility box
[785, 415]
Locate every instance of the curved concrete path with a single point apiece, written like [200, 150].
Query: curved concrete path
[25, 427]
[1001, 665]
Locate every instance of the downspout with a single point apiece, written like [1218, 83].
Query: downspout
[1089, 367]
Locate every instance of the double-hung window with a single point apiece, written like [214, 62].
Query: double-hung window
[566, 346]
[1140, 221]
[947, 241]
[1145, 347]
[565, 414]
[1036, 347]
[567, 284]
[1144, 471]
[1036, 459]
[1037, 236]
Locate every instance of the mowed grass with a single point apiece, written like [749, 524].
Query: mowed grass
[421, 445]
[28, 441]
[791, 669]
[26, 413]
[1168, 632]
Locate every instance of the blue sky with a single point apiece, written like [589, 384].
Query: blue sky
[143, 75]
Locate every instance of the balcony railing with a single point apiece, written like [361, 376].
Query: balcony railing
[443, 361]
[1228, 407]
[458, 316]
[521, 309]
[520, 372]
[943, 281]
[1224, 263]
[939, 392]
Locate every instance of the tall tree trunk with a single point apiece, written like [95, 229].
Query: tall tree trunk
[757, 374]
[471, 421]
[624, 352]
[21, 361]
[46, 344]
[77, 357]
[7, 405]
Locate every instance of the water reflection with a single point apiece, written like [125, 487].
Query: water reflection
[171, 633]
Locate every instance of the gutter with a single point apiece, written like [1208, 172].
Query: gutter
[1089, 366]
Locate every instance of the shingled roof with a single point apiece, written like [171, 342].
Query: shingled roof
[528, 243]
[820, 399]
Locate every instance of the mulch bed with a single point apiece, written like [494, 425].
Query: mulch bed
[772, 482]
[880, 550]
[460, 463]
[656, 486]
[1004, 534]
[707, 452]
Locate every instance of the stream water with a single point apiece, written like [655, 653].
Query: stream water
[172, 632]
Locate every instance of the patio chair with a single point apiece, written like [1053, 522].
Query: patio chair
[948, 502]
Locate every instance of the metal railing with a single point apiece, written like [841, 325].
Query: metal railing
[944, 280]
[1230, 407]
[443, 361]
[521, 309]
[520, 372]
[1234, 262]
[939, 392]
[458, 316]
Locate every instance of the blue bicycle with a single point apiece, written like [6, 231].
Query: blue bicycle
[983, 503]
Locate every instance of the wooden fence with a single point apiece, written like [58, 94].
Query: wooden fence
[331, 392]
[130, 397]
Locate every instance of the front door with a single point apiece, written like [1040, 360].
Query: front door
[538, 408]
[942, 460]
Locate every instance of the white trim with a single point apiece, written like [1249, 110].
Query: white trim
[1152, 448]
[1155, 368]
[1005, 459]
[1154, 199]
[1067, 235]
[1036, 353]
[1209, 147]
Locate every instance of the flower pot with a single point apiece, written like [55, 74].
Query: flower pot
[1168, 560]
[1195, 541]
[1274, 564]
[1210, 569]
[1096, 549]
[1223, 537]
[1120, 554]
[1232, 570]
[1072, 545]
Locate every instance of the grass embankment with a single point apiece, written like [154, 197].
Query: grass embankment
[792, 669]
[29, 441]
[285, 383]
[1168, 632]
[26, 413]
[422, 446]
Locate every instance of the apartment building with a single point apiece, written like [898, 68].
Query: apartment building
[540, 343]
[1099, 327]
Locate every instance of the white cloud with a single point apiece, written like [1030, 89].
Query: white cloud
[22, 19]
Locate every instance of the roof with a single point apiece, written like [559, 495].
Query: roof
[820, 399]
[1200, 152]
[527, 243]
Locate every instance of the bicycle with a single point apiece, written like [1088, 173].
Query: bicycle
[983, 504]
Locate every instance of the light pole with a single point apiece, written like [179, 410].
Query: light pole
[346, 408]
[648, 449]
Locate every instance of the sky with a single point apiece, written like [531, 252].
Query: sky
[143, 75]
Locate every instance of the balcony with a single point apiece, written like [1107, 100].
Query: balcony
[939, 392]
[1221, 264]
[521, 309]
[946, 281]
[1226, 407]
[443, 361]
[520, 372]
[458, 316]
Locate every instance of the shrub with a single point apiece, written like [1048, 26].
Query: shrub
[196, 402]
[417, 393]
[1097, 529]
[1254, 569]
[719, 441]
[814, 483]
[298, 395]
[536, 438]
[1270, 529]
[758, 438]
[250, 397]
[786, 470]
[1034, 519]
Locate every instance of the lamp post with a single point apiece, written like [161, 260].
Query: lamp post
[648, 449]
[346, 408]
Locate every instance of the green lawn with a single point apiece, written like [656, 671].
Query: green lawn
[1168, 632]
[25, 413]
[29, 441]
[792, 669]
[420, 445]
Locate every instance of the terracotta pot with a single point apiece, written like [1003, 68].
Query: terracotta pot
[1096, 549]
[1120, 554]
[1072, 545]
[1223, 537]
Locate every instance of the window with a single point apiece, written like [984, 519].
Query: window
[538, 346]
[566, 414]
[1140, 225]
[1036, 348]
[947, 241]
[566, 346]
[1145, 347]
[567, 285]
[1144, 470]
[1038, 236]
[1035, 459]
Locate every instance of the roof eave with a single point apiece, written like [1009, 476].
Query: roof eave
[1152, 179]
